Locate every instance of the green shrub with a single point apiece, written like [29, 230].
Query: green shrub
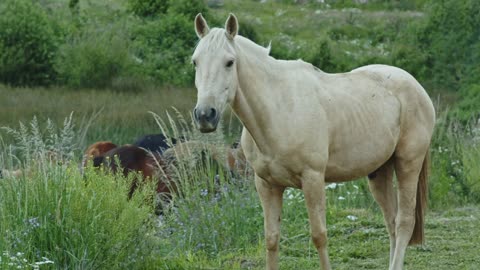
[409, 58]
[347, 31]
[95, 58]
[28, 44]
[454, 151]
[319, 53]
[188, 8]
[450, 41]
[468, 108]
[164, 47]
[247, 30]
[56, 216]
[148, 8]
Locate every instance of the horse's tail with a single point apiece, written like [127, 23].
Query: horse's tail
[418, 236]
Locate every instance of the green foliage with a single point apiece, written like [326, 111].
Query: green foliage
[148, 8]
[409, 58]
[28, 42]
[188, 8]
[454, 177]
[378, 4]
[450, 41]
[54, 215]
[319, 53]
[152, 8]
[95, 58]
[468, 108]
[164, 47]
[247, 30]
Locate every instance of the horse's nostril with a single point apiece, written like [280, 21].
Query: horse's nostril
[195, 115]
[213, 113]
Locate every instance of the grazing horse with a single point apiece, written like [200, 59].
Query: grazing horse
[132, 158]
[304, 127]
[156, 143]
[97, 149]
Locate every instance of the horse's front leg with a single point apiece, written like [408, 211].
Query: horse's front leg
[313, 186]
[271, 198]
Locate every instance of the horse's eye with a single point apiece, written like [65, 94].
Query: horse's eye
[194, 63]
[230, 63]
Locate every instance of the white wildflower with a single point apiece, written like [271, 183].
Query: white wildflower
[352, 218]
[331, 186]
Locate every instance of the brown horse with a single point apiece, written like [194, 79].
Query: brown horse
[97, 149]
[131, 158]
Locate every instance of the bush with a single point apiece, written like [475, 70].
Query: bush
[148, 8]
[94, 59]
[164, 47]
[55, 215]
[409, 58]
[151, 8]
[28, 44]
[318, 53]
[188, 8]
[468, 108]
[450, 41]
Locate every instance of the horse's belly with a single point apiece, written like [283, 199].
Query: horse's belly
[365, 146]
[360, 157]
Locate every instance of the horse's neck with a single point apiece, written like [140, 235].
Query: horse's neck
[251, 101]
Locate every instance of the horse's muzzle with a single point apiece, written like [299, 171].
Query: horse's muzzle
[206, 119]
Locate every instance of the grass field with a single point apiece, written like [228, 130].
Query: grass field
[452, 237]
[52, 214]
[53, 217]
[115, 116]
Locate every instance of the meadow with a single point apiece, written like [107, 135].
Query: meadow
[53, 217]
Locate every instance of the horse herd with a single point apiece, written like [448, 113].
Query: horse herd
[150, 158]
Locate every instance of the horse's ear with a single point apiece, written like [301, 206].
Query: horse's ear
[231, 26]
[201, 26]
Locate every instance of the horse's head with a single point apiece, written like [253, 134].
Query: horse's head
[215, 71]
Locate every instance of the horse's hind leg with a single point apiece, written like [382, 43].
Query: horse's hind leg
[410, 211]
[271, 198]
[381, 186]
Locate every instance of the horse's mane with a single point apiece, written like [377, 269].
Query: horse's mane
[217, 38]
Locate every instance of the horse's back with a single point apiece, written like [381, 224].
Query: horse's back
[372, 109]
[399, 82]
[416, 106]
[154, 142]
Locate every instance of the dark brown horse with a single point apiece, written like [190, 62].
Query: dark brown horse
[127, 159]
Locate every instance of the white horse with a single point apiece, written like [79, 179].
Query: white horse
[304, 127]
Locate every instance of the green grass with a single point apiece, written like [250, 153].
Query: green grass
[117, 116]
[55, 214]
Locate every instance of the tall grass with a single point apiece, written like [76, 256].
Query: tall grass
[57, 218]
[455, 178]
